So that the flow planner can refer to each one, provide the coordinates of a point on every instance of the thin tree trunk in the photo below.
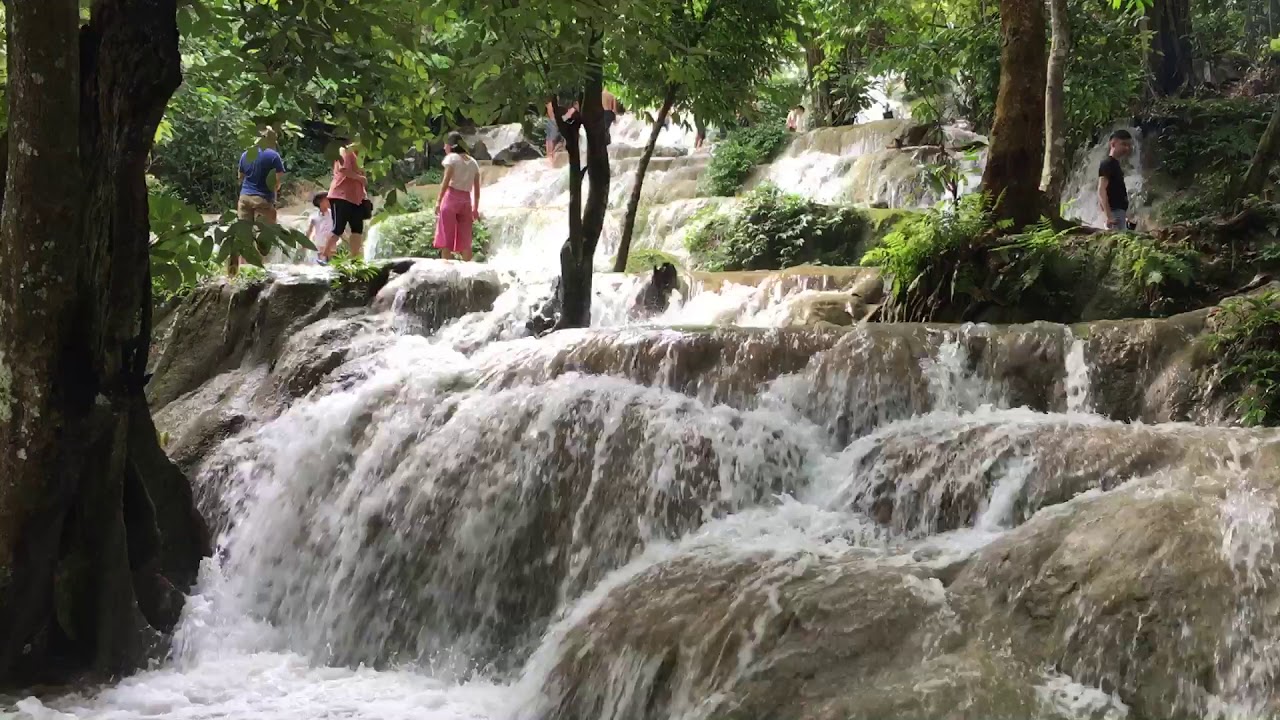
(1055, 150)
(100, 532)
(1016, 153)
(1264, 158)
(1169, 61)
(586, 221)
(633, 202)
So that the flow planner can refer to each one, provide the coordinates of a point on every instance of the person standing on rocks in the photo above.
(795, 119)
(458, 206)
(611, 110)
(1113, 196)
(320, 227)
(555, 141)
(347, 195)
(260, 180)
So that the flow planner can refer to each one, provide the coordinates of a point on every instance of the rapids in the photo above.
(439, 518)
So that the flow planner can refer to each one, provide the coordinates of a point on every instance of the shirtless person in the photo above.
(611, 110)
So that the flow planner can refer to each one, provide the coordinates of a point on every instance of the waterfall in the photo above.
(724, 509)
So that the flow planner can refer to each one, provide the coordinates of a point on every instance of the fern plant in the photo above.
(349, 270)
(1247, 341)
(918, 244)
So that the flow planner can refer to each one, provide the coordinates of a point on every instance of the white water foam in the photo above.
(304, 587)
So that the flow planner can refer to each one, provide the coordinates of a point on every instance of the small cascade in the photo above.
(1078, 388)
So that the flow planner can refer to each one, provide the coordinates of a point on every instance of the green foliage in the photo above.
(404, 203)
(1247, 340)
(360, 67)
(1106, 73)
(350, 270)
(250, 275)
(717, 55)
(186, 249)
(738, 154)
(933, 243)
(1152, 265)
(946, 56)
(777, 95)
(412, 235)
(1207, 198)
(772, 230)
(1204, 136)
(204, 136)
(1218, 28)
(1206, 144)
(433, 176)
(198, 161)
(642, 260)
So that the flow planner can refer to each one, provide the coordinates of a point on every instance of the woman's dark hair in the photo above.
(455, 141)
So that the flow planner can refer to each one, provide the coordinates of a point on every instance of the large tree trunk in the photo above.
(1169, 62)
(1015, 155)
(1264, 158)
(100, 536)
(1055, 150)
(38, 254)
(633, 202)
(814, 57)
(586, 220)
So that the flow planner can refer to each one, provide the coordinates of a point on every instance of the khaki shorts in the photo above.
(252, 207)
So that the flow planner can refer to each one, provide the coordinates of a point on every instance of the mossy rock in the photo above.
(642, 260)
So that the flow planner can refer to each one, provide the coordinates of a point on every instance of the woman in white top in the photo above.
(456, 211)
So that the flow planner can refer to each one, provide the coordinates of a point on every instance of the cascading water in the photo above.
(640, 521)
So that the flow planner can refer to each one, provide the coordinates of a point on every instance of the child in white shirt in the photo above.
(321, 225)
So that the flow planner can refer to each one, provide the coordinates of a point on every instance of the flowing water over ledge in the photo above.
(425, 514)
(637, 522)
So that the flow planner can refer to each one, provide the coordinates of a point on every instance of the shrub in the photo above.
(927, 242)
(739, 153)
(1149, 264)
(772, 230)
(350, 271)
(406, 203)
(412, 235)
(433, 176)
(1247, 340)
(202, 138)
(1201, 135)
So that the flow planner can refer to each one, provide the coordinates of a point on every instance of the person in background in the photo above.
(320, 227)
(795, 119)
(700, 133)
(260, 181)
(611, 112)
(346, 196)
(554, 140)
(1113, 196)
(458, 206)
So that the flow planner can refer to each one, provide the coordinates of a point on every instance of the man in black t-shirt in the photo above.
(1113, 196)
